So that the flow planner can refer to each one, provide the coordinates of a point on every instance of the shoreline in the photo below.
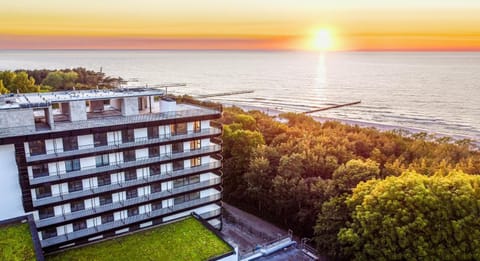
(363, 124)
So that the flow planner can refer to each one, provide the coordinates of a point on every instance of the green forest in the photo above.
(44, 80)
(359, 193)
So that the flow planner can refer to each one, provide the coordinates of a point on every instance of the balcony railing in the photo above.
(128, 221)
(118, 166)
(144, 180)
(90, 148)
(126, 203)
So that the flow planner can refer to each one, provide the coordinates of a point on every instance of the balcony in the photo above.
(144, 180)
(126, 203)
(128, 221)
(118, 166)
(90, 148)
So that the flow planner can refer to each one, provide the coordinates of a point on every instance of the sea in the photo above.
(435, 92)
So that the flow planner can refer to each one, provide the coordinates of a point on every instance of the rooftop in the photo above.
(32, 100)
(16, 242)
(187, 239)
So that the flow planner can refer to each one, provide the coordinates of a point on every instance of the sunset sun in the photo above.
(323, 40)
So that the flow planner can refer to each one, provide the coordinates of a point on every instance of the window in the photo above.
(152, 132)
(37, 147)
(177, 147)
(128, 155)
(72, 165)
(186, 197)
(156, 205)
(103, 180)
(177, 165)
(107, 218)
(105, 199)
(156, 187)
(102, 160)
(178, 129)
(195, 145)
(197, 126)
(186, 181)
(49, 233)
(43, 191)
(77, 205)
(130, 174)
(40, 170)
(132, 211)
(100, 139)
(75, 185)
(46, 212)
(79, 225)
(70, 143)
(195, 162)
(133, 193)
(128, 136)
(155, 170)
(153, 152)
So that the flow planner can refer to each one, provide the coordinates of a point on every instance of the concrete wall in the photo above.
(78, 111)
(17, 118)
(11, 202)
(167, 106)
(130, 106)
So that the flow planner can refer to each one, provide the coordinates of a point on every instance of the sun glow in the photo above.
(323, 40)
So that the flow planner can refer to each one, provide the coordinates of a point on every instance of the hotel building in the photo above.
(94, 164)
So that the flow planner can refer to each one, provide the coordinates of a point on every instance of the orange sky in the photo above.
(247, 24)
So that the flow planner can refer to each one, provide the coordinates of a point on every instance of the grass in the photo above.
(16, 243)
(187, 239)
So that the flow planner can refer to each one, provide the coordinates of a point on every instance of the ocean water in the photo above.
(438, 92)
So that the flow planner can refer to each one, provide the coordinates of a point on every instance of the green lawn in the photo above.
(16, 243)
(187, 239)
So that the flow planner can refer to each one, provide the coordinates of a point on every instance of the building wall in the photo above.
(11, 202)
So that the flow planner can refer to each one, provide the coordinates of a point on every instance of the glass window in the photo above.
(37, 147)
(107, 218)
(72, 165)
(103, 180)
(128, 135)
(130, 174)
(49, 233)
(195, 162)
(102, 160)
(177, 147)
(75, 185)
(46, 212)
(195, 145)
(186, 197)
(79, 225)
(155, 170)
(70, 143)
(156, 205)
(40, 170)
(132, 211)
(178, 129)
(105, 199)
(156, 187)
(128, 155)
(77, 205)
(132, 193)
(152, 132)
(43, 191)
(177, 165)
(153, 152)
(100, 139)
(197, 127)
(186, 181)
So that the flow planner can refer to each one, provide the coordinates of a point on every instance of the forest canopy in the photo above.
(313, 178)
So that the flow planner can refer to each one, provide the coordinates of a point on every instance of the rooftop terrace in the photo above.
(187, 239)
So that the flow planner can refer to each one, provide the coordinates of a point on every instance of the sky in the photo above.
(247, 24)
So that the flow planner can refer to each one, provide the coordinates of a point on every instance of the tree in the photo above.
(61, 80)
(3, 90)
(348, 175)
(415, 217)
(23, 83)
